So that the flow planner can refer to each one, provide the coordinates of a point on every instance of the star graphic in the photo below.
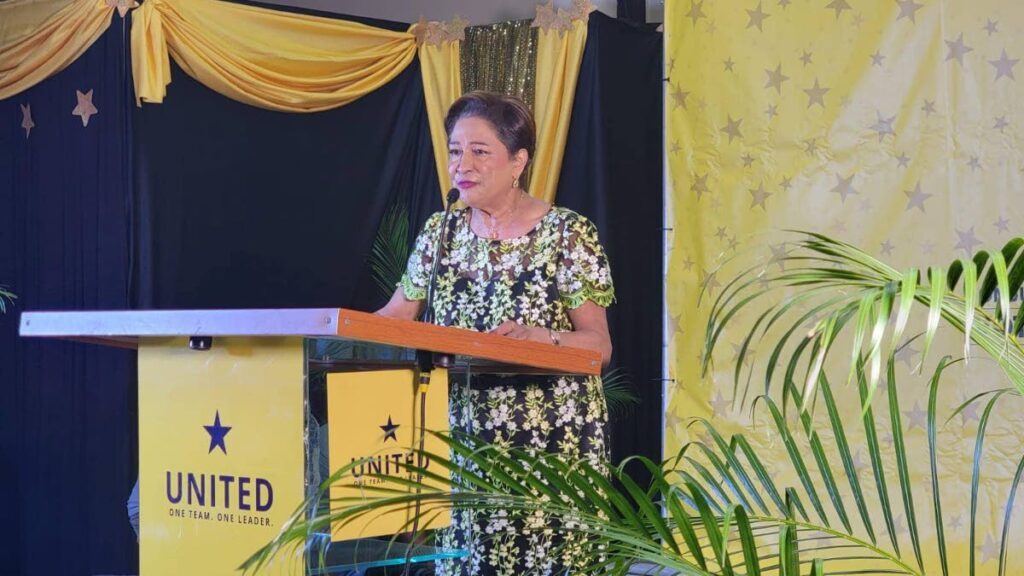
(916, 198)
(844, 186)
(710, 281)
(865, 206)
(816, 94)
(722, 233)
(759, 196)
(839, 225)
(748, 160)
(719, 405)
(858, 19)
(786, 183)
(776, 78)
(688, 264)
(957, 49)
(928, 248)
(772, 111)
(806, 57)
(26, 119)
(733, 243)
(85, 108)
(696, 11)
(1003, 224)
(974, 163)
(675, 148)
(783, 4)
(991, 26)
(876, 58)
(956, 522)
(728, 64)
(838, 6)
(778, 255)
(903, 160)
(908, 8)
(887, 248)
(929, 107)
(1004, 66)
(884, 126)
(858, 462)
(968, 241)
(671, 65)
(700, 185)
(732, 128)
(989, 550)
(969, 412)
(711, 27)
(811, 146)
(217, 434)
(679, 97)
(389, 430)
(918, 418)
(757, 17)
(702, 103)
(1001, 123)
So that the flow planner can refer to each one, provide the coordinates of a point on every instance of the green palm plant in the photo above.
(7, 298)
(716, 508)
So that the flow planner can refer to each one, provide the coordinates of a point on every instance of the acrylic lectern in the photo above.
(243, 413)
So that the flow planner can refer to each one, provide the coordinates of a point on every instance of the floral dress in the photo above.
(535, 279)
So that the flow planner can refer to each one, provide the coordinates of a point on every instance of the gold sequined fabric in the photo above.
(501, 58)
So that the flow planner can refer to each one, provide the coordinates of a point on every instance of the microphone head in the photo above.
(453, 195)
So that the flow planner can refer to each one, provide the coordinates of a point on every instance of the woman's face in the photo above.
(480, 166)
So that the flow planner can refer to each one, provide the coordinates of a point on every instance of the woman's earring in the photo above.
(515, 183)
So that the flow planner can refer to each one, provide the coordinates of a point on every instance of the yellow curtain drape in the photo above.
(266, 58)
(442, 84)
(558, 64)
(39, 38)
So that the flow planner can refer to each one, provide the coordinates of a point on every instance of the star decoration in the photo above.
(776, 78)
(974, 163)
(806, 58)
(759, 196)
(968, 241)
(989, 550)
(786, 183)
(711, 27)
(957, 49)
(929, 107)
(748, 160)
(838, 6)
(85, 108)
(390, 430)
(696, 11)
(728, 63)
(887, 248)
(778, 255)
(700, 185)
(956, 522)
(733, 243)
(1003, 224)
(771, 111)
(675, 148)
(858, 462)
(688, 264)
(992, 26)
(1004, 66)
(122, 6)
(916, 198)
(839, 226)
(783, 4)
(844, 187)
(969, 412)
(918, 418)
(721, 233)
(679, 97)
(858, 19)
(732, 128)
(710, 282)
(671, 65)
(908, 8)
(903, 160)
(217, 434)
(816, 94)
(884, 126)
(1001, 123)
(26, 119)
(811, 146)
(928, 248)
(876, 58)
(757, 17)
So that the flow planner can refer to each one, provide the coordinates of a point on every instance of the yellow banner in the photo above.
(375, 416)
(220, 450)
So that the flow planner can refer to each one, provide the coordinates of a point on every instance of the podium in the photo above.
(243, 413)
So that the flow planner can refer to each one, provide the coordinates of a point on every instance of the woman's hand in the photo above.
(513, 330)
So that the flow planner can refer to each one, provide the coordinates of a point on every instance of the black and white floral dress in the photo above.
(535, 279)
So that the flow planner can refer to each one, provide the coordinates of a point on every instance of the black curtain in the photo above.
(68, 413)
(612, 173)
(632, 10)
(239, 207)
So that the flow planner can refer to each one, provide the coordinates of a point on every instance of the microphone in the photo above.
(428, 313)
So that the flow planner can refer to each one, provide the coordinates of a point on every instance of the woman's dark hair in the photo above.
(509, 116)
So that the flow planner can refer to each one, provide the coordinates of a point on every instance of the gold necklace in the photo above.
(492, 227)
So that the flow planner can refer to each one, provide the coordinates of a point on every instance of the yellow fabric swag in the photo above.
(266, 58)
(39, 38)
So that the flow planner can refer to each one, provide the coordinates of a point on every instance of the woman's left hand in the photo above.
(513, 330)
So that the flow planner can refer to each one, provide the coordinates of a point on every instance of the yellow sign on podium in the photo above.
(221, 455)
(374, 419)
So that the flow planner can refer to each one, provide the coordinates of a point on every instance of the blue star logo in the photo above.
(389, 430)
(217, 434)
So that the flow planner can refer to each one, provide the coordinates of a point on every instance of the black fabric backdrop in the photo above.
(612, 173)
(67, 418)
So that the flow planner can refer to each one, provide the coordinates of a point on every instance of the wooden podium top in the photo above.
(124, 328)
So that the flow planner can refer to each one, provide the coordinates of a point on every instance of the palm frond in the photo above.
(618, 393)
(390, 250)
(7, 298)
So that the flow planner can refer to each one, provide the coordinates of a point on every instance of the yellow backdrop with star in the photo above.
(891, 124)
